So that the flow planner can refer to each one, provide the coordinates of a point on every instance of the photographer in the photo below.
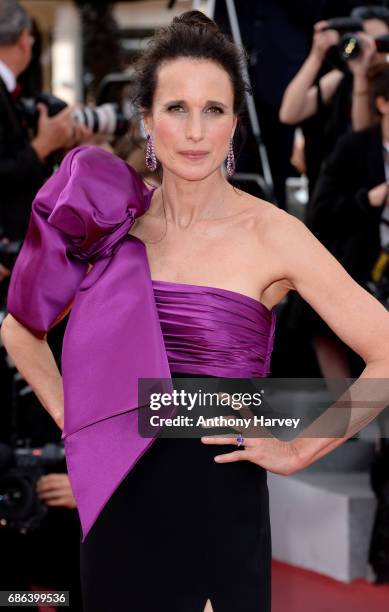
(24, 163)
(351, 198)
(337, 101)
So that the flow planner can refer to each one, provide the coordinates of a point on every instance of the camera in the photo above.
(106, 119)
(20, 469)
(350, 45)
(344, 25)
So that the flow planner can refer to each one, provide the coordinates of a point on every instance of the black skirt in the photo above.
(181, 529)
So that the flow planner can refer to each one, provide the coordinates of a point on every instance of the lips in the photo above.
(194, 155)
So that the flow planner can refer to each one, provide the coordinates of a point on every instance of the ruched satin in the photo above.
(213, 331)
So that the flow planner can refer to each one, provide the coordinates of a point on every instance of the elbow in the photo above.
(6, 329)
(11, 329)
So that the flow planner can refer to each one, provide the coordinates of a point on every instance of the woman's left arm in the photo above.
(358, 319)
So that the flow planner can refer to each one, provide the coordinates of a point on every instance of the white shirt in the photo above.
(8, 76)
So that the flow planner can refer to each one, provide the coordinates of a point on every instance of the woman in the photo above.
(189, 289)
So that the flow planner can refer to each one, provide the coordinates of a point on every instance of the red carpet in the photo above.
(298, 590)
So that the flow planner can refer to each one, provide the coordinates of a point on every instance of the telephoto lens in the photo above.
(350, 45)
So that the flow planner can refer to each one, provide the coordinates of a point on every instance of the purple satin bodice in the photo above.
(214, 331)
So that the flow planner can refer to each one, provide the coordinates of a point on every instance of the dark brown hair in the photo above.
(191, 35)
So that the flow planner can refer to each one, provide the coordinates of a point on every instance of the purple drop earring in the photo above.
(231, 159)
(151, 160)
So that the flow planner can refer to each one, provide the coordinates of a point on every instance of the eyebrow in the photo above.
(213, 102)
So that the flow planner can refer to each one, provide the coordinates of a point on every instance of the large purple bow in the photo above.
(113, 337)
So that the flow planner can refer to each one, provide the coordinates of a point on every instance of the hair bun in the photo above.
(198, 19)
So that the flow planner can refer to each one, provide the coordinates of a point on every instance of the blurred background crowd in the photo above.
(314, 141)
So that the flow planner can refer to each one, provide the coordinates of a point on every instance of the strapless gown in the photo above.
(181, 529)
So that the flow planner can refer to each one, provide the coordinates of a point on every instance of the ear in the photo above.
(234, 125)
(23, 41)
(382, 105)
(147, 121)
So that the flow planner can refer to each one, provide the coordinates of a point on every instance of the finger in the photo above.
(50, 477)
(230, 457)
(65, 112)
(47, 490)
(46, 485)
(42, 108)
(219, 440)
(365, 37)
(320, 25)
(54, 492)
(47, 495)
(60, 501)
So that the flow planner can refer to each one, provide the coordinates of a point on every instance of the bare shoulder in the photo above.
(284, 237)
(278, 227)
(273, 227)
(260, 208)
(267, 228)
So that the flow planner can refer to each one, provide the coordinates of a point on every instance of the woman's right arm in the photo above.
(35, 361)
(300, 97)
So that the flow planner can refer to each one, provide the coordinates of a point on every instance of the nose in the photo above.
(194, 126)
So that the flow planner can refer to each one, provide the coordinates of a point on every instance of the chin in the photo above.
(192, 173)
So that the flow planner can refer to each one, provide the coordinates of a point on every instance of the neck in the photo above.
(188, 202)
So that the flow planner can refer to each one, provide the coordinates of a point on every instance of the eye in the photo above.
(216, 110)
(174, 107)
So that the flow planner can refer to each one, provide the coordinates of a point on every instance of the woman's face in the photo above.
(192, 118)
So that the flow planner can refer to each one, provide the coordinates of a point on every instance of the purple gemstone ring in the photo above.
(240, 440)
